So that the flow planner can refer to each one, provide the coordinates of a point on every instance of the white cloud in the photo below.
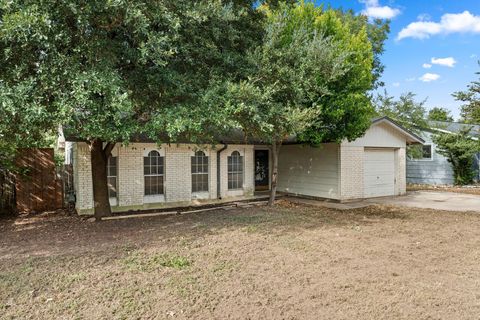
(464, 22)
(446, 62)
(424, 17)
(373, 9)
(427, 65)
(429, 77)
(396, 84)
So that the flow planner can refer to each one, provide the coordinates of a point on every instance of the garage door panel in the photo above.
(379, 172)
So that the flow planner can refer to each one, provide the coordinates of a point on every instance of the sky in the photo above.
(433, 47)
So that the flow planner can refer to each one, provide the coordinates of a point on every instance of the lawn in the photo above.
(287, 262)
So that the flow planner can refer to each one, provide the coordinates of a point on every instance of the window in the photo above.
(422, 152)
(235, 171)
(199, 172)
(153, 171)
(112, 177)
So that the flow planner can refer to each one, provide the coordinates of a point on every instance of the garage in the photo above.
(379, 172)
(370, 166)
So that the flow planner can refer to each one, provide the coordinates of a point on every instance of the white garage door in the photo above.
(379, 173)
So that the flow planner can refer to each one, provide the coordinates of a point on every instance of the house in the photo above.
(431, 167)
(144, 175)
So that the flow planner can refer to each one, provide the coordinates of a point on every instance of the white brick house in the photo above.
(147, 176)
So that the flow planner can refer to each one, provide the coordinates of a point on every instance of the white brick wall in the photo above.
(351, 172)
(401, 171)
(82, 176)
(177, 175)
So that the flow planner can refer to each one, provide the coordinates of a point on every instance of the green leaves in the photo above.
(459, 149)
(471, 98)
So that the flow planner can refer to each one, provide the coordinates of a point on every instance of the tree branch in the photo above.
(107, 150)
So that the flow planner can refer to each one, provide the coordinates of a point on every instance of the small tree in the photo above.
(471, 98)
(459, 149)
(440, 114)
(307, 57)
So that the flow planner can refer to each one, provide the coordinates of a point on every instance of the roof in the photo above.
(411, 137)
(455, 127)
(238, 137)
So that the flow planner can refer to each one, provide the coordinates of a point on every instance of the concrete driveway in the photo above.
(433, 200)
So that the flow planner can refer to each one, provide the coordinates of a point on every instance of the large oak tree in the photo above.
(109, 70)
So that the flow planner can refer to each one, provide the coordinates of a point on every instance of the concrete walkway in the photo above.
(449, 201)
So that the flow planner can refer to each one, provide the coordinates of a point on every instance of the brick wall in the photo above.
(400, 174)
(177, 175)
(351, 172)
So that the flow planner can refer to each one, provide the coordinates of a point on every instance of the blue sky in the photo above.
(433, 48)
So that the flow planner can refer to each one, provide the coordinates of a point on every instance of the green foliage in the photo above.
(440, 114)
(310, 77)
(459, 149)
(408, 112)
(345, 113)
(471, 99)
(110, 69)
(291, 72)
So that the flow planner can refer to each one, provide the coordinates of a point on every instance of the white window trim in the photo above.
(201, 194)
(114, 200)
(152, 198)
(242, 187)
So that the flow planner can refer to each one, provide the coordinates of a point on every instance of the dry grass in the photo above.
(289, 262)
(474, 189)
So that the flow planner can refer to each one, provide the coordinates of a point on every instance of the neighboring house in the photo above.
(433, 168)
(144, 175)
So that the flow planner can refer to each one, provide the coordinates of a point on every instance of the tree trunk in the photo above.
(99, 157)
(273, 190)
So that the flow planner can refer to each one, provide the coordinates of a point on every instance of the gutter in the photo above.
(218, 169)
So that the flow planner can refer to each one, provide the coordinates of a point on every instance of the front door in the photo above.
(261, 170)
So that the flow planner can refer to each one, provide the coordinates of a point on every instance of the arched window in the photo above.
(235, 171)
(112, 177)
(153, 169)
(199, 172)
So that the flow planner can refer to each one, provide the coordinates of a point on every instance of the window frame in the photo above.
(238, 173)
(109, 166)
(424, 158)
(160, 164)
(205, 170)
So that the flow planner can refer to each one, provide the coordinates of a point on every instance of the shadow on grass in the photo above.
(66, 234)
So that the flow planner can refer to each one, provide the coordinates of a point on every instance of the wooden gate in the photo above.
(38, 188)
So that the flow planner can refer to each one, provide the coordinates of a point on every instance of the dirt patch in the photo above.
(475, 189)
(289, 262)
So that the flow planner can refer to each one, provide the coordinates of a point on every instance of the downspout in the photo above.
(218, 169)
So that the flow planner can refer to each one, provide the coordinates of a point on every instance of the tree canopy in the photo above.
(108, 70)
(440, 114)
(406, 110)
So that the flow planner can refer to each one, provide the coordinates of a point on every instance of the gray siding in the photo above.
(435, 171)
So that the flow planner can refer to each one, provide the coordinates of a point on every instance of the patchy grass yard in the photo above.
(290, 262)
